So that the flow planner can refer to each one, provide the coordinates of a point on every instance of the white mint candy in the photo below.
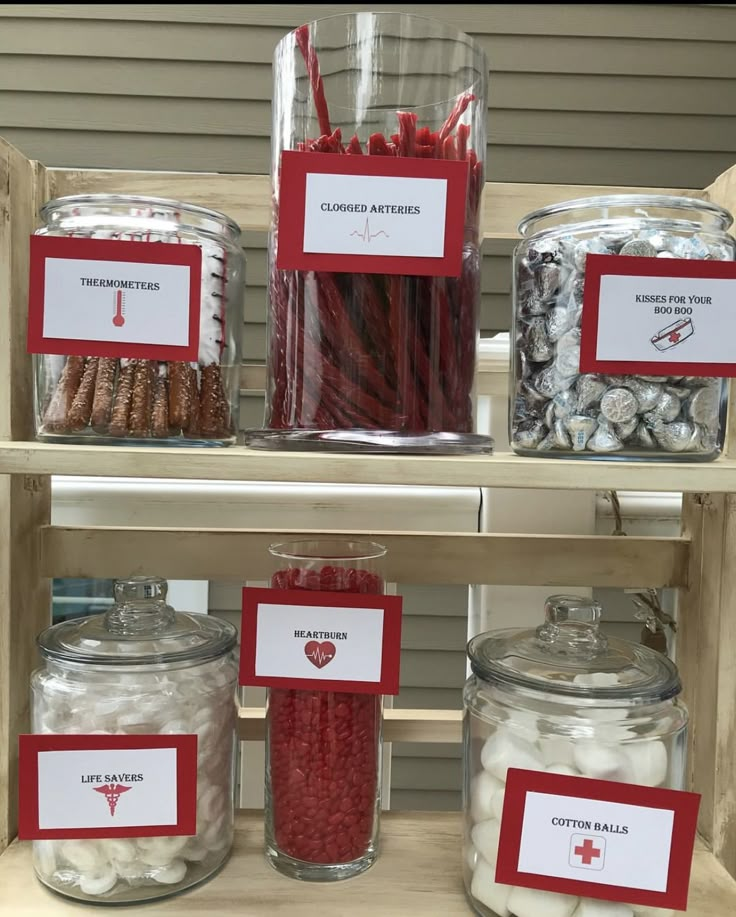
(172, 874)
(84, 855)
(119, 849)
(530, 902)
(483, 787)
(485, 889)
(648, 761)
(46, 857)
(497, 802)
(591, 907)
(503, 750)
(557, 751)
(98, 883)
(485, 837)
(602, 762)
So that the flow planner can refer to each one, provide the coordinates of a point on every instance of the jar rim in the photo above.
(343, 550)
(168, 203)
(723, 218)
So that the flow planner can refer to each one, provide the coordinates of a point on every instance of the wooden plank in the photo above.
(419, 871)
(399, 725)
(238, 463)
(413, 557)
(246, 198)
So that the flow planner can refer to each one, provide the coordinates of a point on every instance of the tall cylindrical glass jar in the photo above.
(141, 669)
(557, 411)
(563, 699)
(93, 399)
(376, 360)
(323, 748)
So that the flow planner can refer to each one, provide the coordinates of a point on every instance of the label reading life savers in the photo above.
(329, 641)
(107, 786)
(114, 298)
(657, 316)
(371, 214)
(596, 838)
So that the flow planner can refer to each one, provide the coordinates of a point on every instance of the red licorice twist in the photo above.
(324, 750)
(378, 351)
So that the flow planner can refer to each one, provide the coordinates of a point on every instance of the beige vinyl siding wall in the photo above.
(595, 94)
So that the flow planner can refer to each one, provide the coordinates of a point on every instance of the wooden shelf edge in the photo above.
(418, 872)
(238, 463)
(399, 725)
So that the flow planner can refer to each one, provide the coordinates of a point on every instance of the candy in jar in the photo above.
(563, 699)
(323, 748)
(141, 669)
(555, 410)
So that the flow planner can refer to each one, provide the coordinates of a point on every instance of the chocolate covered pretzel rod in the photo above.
(213, 407)
(180, 395)
(192, 430)
(55, 417)
(81, 408)
(160, 412)
(121, 404)
(104, 388)
(141, 403)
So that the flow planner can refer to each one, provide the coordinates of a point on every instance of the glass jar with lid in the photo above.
(91, 398)
(557, 411)
(141, 669)
(565, 699)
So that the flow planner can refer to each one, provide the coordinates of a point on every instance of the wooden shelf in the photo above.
(238, 463)
(418, 872)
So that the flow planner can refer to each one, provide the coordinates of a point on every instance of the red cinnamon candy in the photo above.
(324, 750)
(378, 352)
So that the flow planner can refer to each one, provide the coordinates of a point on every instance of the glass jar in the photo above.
(555, 410)
(93, 399)
(141, 669)
(566, 699)
(376, 361)
(323, 748)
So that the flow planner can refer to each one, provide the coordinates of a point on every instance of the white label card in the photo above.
(375, 215)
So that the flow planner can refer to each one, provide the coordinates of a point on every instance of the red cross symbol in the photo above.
(674, 337)
(587, 852)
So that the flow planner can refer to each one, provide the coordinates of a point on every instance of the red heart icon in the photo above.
(319, 654)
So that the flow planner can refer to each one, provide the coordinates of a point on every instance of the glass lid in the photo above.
(569, 655)
(139, 629)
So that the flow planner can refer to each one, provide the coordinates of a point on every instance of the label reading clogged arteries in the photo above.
(658, 316)
(87, 786)
(597, 838)
(114, 298)
(371, 214)
(324, 641)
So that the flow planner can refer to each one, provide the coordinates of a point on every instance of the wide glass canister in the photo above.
(142, 669)
(88, 398)
(323, 748)
(564, 699)
(557, 411)
(376, 361)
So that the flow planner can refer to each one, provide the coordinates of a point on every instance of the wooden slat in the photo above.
(246, 198)
(413, 557)
(418, 872)
(399, 725)
(237, 463)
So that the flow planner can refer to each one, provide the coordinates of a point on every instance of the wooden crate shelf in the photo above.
(418, 872)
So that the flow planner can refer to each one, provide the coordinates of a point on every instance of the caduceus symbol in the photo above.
(112, 792)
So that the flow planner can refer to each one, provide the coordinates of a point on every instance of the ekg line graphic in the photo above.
(366, 235)
(319, 656)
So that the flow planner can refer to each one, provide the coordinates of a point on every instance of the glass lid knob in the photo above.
(572, 627)
(140, 607)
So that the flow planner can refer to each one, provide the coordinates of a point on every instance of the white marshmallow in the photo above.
(470, 856)
(171, 874)
(499, 797)
(485, 837)
(557, 751)
(563, 769)
(482, 789)
(503, 750)
(530, 902)
(592, 907)
(596, 679)
(648, 761)
(602, 762)
(640, 910)
(485, 889)
(98, 883)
